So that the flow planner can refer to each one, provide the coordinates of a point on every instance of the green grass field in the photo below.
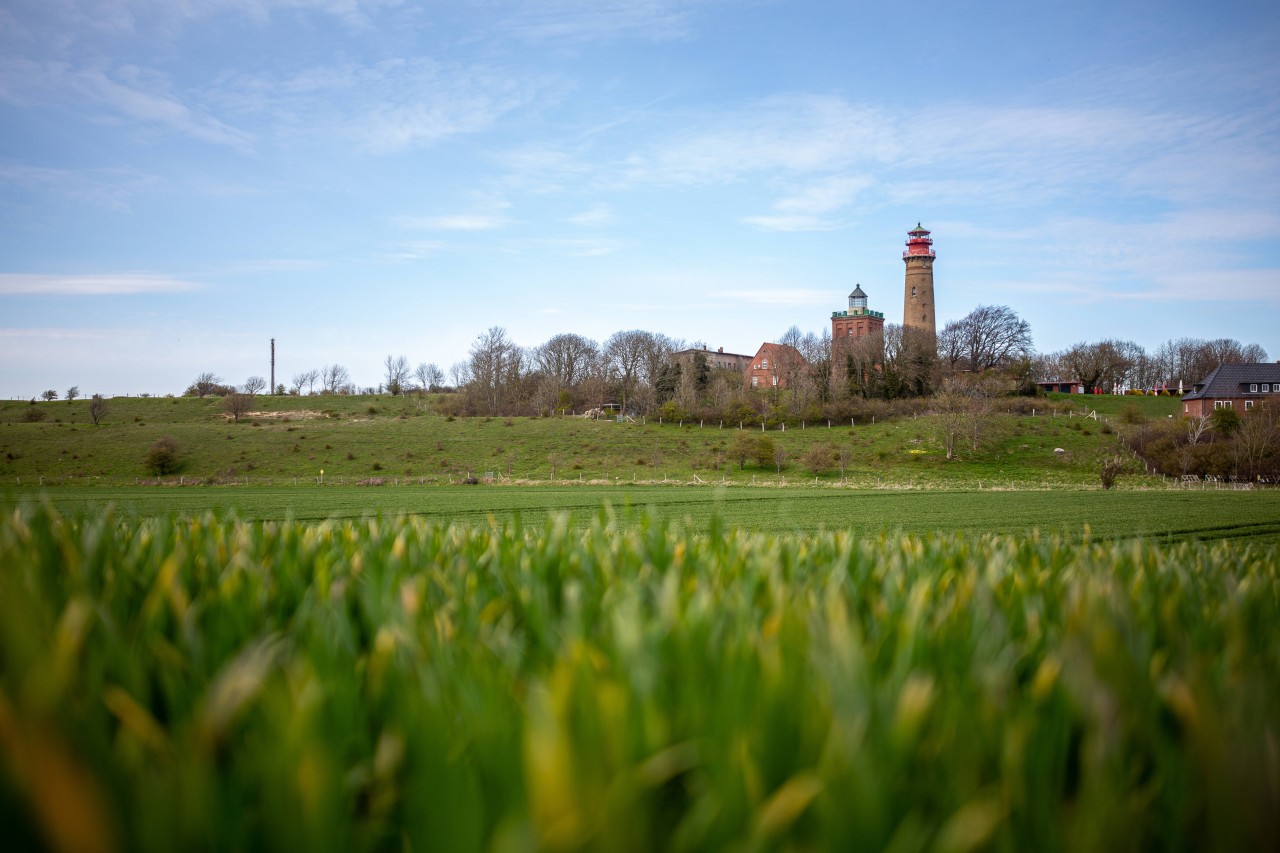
(357, 438)
(401, 684)
(1159, 515)
(986, 654)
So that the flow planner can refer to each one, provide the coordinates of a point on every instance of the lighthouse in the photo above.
(917, 304)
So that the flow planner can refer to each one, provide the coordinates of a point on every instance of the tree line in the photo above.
(811, 377)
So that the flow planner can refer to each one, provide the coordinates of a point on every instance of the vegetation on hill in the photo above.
(358, 438)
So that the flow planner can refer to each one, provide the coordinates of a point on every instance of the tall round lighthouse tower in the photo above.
(917, 305)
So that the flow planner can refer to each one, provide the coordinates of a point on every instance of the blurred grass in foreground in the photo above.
(397, 683)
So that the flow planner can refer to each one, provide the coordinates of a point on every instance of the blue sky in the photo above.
(183, 180)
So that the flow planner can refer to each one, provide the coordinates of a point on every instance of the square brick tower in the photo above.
(917, 305)
(857, 321)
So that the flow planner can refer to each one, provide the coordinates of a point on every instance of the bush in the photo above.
(1112, 467)
(1225, 422)
(820, 459)
(33, 414)
(162, 458)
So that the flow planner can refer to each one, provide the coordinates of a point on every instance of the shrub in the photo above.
(98, 408)
(1112, 467)
(162, 458)
(33, 414)
(1225, 422)
(819, 459)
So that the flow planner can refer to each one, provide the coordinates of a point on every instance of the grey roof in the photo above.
(857, 293)
(1226, 379)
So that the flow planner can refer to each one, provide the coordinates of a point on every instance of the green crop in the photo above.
(629, 685)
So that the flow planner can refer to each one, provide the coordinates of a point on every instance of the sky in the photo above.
(182, 181)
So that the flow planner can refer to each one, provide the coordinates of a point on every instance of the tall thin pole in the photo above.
(272, 389)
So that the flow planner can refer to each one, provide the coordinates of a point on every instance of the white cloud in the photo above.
(454, 222)
(383, 107)
(412, 250)
(785, 134)
(26, 284)
(124, 94)
(596, 216)
(113, 189)
(594, 20)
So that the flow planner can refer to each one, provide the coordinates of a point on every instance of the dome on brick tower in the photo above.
(857, 299)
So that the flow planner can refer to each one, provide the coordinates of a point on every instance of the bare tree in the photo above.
(1096, 365)
(460, 373)
(1196, 428)
(844, 455)
(430, 377)
(566, 358)
(97, 409)
(206, 383)
(1256, 438)
(396, 371)
(625, 354)
(334, 378)
(73, 392)
(254, 385)
(988, 336)
(237, 404)
(1189, 360)
(305, 379)
(951, 349)
(951, 408)
(494, 368)
(50, 395)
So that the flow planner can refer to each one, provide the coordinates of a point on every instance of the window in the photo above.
(755, 381)
(1266, 387)
(1253, 388)
(913, 291)
(1222, 404)
(775, 380)
(764, 363)
(1186, 408)
(1248, 404)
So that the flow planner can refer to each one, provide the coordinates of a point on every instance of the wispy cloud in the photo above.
(113, 189)
(121, 284)
(793, 135)
(595, 20)
(123, 94)
(596, 216)
(413, 250)
(75, 19)
(383, 107)
(454, 222)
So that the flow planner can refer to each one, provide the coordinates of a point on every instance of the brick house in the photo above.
(1059, 386)
(773, 365)
(716, 358)
(1234, 386)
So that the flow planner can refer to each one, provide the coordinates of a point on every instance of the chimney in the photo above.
(720, 350)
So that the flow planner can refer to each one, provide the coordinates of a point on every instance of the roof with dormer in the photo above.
(1231, 380)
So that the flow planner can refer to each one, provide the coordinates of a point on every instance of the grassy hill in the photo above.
(357, 438)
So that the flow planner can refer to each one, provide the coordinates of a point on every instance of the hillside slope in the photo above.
(356, 438)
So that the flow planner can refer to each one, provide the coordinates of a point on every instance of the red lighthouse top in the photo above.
(918, 245)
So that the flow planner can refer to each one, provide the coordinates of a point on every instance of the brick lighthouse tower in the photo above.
(917, 305)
